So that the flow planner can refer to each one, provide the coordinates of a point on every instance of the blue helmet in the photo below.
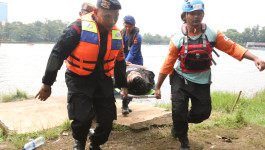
(192, 5)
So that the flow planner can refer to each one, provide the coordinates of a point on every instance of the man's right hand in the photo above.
(44, 92)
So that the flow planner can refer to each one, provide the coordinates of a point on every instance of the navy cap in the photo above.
(129, 20)
(109, 4)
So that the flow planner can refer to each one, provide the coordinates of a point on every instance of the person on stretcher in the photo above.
(140, 81)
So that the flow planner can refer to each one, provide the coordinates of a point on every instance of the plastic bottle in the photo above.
(33, 144)
(91, 131)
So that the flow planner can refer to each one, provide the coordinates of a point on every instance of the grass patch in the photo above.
(228, 121)
(66, 125)
(253, 110)
(118, 127)
(155, 135)
(167, 106)
(223, 101)
(250, 110)
(2, 139)
(260, 96)
(16, 96)
(19, 140)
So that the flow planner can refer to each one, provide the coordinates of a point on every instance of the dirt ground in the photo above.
(159, 138)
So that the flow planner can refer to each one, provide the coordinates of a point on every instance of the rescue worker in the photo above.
(132, 41)
(86, 8)
(191, 78)
(93, 51)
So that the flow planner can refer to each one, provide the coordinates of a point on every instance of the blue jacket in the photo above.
(133, 53)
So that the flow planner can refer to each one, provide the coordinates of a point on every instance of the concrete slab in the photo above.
(142, 115)
(34, 115)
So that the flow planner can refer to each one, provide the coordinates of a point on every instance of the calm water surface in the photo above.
(22, 67)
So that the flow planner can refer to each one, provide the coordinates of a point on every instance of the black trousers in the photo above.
(182, 91)
(82, 110)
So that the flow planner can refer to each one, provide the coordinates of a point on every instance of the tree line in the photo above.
(254, 34)
(50, 30)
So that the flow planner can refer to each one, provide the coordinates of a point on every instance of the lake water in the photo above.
(22, 67)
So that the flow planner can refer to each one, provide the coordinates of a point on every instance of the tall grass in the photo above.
(252, 109)
(15, 96)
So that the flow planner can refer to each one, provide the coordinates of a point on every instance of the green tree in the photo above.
(33, 32)
(234, 35)
(53, 29)
(246, 36)
(261, 37)
(155, 39)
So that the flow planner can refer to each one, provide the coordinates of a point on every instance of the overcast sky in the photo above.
(153, 16)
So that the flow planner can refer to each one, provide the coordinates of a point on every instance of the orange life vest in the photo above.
(83, 59)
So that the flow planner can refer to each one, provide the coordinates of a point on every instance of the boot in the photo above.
(125, 108)
(129, 109)
(79, 145)
(184, 141)
(94, 147)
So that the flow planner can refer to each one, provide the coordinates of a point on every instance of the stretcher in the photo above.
(150, 94)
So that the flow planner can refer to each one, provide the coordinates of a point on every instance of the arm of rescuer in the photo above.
(61, 50)
(167, 68)
(235, 50)
(120, 73)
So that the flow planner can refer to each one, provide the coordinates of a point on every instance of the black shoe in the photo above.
(184, 141)
(125, 108)
(79, 145)
(94, 147)
(129, 109)
(125, 111)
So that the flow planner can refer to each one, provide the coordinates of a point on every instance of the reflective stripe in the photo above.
(116, 35)
(186, 44)
(204, 40)
(89, 26)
